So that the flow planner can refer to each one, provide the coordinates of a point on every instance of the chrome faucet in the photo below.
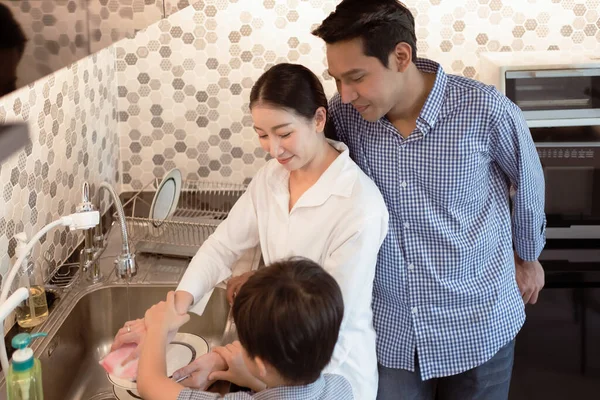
(95, 244)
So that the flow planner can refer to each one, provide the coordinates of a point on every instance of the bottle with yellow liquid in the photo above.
(34, 310)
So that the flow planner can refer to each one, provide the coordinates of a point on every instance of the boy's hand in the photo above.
(237, 372)
(164, 316)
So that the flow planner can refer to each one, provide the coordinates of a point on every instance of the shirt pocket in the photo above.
(454, 173)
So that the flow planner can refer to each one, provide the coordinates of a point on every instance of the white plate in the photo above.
(166, 197)
(184, 349)
(124, 394)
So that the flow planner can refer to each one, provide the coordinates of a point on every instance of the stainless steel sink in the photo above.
(74, 346)
(87, 315)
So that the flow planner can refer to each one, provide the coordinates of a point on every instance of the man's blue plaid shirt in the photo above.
(445, 282)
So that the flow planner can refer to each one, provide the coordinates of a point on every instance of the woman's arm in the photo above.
(212, 263)
(353, 258)
(183, 301)
(351, 261)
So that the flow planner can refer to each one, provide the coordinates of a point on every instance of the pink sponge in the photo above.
(113, 360)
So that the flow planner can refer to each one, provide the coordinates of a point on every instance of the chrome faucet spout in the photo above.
(125, 266)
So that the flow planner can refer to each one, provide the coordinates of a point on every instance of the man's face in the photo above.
(8, 70)
(363, 81)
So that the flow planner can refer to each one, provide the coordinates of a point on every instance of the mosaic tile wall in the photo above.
(61, 32)
(74, 138)
(113, 20)
(57, 35)
(184, 82)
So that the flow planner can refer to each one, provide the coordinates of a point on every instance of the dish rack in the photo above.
(202, 206)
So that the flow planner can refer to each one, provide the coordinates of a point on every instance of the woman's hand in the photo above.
(131, 332)
(164, 316)
(235, 284)
(237, 371)
(199, 370)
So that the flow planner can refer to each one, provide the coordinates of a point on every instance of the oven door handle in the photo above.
(553, 73)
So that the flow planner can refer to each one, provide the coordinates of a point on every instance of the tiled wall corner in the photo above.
(184, 82)
(74, 138)
(60, 32)
(113, 20)
(56, 34)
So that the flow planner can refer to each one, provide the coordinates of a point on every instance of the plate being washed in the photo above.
(166, 197)
(184, 349)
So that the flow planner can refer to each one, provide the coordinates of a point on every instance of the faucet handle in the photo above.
(86, 204)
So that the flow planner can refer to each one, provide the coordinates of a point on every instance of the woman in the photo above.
(310, 200)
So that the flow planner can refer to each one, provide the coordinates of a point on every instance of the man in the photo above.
(457, 267)
(12, 45)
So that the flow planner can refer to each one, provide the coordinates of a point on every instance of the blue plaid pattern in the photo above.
(327, 387)
(445, 282)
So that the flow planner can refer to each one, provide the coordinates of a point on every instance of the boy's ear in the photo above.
(261, 365)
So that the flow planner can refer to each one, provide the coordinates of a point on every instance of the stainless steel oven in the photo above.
(552, 88)
(559, 94)
(570, 157)
(557, 352)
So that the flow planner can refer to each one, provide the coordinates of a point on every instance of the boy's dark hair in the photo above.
(11, 34)
(290, 86)
(380, 24)
(289, 315)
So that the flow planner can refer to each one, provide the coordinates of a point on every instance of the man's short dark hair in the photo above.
(380, 24)
(11, 34)
(289, 315)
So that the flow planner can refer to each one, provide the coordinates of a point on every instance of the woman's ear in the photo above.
(320, 119)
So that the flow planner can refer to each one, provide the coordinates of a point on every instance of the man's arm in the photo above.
(512, 148)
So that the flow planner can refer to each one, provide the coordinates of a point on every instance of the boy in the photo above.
(288, 318)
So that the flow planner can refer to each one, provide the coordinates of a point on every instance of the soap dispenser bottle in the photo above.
(34, 310)
(24, 378)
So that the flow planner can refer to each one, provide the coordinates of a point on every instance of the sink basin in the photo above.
(70, 354)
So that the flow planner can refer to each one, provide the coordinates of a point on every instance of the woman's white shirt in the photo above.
(340, 223)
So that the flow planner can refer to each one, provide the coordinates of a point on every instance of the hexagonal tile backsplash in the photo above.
(179, 91)
(61, 32)
(184, 82)
(74, 138)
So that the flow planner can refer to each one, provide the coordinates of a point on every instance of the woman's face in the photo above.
(288, 137)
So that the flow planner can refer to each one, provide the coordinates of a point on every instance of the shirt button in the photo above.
(406, 225)
(414, 310)
(403, 184)
(411, 267)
